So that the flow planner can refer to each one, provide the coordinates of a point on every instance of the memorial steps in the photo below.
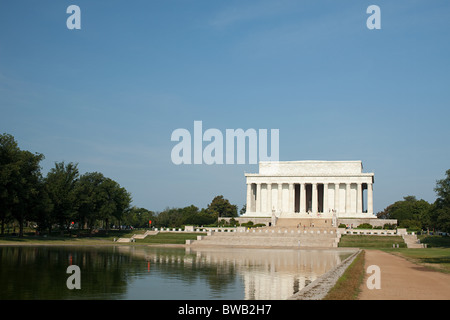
(412, 241)
(304, 222)
(137, 236)
(271, 237)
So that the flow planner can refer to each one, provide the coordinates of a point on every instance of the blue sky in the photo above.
(109, 96)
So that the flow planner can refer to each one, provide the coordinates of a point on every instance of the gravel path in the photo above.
(404, 280)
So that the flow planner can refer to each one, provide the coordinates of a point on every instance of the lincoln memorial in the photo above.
(310, 189)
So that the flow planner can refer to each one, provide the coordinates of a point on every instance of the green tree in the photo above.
(410, 212)
(28, 188)
(20, 178)
(193, 216)
(100, 198)
(9, 155)
(60, 187)
(170, 217)
(89, 199)
(442, 189)
(220, 207)
(441, 209)
(243, 210)
(139, 217)
(43, 210)
(116, 200)
(190, 215)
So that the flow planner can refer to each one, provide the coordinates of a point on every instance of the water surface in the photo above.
(151, 273)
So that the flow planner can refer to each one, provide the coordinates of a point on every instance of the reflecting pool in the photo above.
(156, 273)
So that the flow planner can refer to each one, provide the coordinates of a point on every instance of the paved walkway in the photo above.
(404, 280)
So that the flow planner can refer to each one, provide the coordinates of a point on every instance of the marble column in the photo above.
(258, 197)
(291, 197)
(249, 197)
(336, 197)
(369, 198)
(269, 198)
(302, 198)
(347, 197)
(359, 198)
(280, 197)
(325, 198)
(314, 198)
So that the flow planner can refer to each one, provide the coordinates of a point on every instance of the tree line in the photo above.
(415, 214)
(60, 199)
(64, 199)
(190, 215)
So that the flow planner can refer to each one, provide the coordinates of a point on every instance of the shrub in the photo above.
(247, 224)
(389, 226)
(412, 225)
(364, 226)
(259, 225)
(250, 224)
(233, 222)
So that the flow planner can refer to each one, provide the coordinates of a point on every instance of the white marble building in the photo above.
(309, 189)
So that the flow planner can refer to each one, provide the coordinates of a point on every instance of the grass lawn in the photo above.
(170, 238)
(371, 241)
(56, 239)
(53, 241)
(434, 258)
(435, 241)
(347, 286)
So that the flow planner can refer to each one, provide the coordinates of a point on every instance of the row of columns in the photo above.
(314, 197)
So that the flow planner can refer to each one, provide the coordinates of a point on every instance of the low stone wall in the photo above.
(255, 220)
(377, 232)
(318, 289)
(354, 222)
(351, 222)
(198, 229)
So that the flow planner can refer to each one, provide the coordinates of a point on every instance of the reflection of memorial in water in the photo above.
(266, 274)
(276, 274)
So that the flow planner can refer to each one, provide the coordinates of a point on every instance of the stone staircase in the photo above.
(412, 241)
(304, 222)
(272, 237)
(137, 236)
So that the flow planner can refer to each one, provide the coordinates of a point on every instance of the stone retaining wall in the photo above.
(318, 289)
(354, 222)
